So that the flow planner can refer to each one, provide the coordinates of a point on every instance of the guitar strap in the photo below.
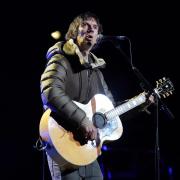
(93, 105)
(100, 82)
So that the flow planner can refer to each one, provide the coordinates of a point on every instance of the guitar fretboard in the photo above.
(121, 109)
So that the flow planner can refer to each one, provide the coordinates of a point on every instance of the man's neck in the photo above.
(85, 56)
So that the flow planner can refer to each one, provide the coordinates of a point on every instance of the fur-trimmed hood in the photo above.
(70, 48)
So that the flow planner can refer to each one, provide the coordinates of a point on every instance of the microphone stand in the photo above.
(147, 87)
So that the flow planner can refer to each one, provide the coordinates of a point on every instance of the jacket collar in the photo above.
(71, 48)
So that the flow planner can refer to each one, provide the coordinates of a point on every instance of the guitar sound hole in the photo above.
(99, 120)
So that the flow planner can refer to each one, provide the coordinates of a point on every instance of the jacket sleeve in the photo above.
(106, 89)
(53, 85)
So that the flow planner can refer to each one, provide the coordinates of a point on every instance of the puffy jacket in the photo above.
(65, 80)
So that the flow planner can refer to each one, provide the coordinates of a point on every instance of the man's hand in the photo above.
(150, 100)
(88, 130)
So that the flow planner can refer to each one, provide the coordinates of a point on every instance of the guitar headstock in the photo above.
(164, 87)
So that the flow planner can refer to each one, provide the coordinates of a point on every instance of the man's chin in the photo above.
(87, 44)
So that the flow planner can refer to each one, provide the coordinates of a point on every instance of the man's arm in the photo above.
(53, 84)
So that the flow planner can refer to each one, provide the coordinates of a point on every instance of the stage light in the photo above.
(56, 35)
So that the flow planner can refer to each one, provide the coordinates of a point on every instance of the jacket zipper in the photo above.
(80, 85)
(88, 78)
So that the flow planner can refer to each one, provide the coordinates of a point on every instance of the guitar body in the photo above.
(66, 151)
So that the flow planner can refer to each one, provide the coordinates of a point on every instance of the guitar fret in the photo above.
(119, 110)
(129, 106)
(132, 103)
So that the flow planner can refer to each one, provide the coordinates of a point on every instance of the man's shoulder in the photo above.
(56, 49)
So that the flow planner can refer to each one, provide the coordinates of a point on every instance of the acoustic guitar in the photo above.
(64, 149)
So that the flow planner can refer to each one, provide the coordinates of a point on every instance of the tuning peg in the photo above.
(164, 96)
(170, 92)
(160, 80)
(164, 78)
(157, 84)
(167, 94)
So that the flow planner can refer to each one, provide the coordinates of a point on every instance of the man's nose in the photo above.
(90, 29)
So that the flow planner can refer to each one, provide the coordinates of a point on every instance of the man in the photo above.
(73, 74)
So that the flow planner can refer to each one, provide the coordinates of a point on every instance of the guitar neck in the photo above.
(125, 107)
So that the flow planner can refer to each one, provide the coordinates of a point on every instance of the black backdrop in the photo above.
(25, 38)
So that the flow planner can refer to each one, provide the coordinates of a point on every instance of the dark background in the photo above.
(25, 37)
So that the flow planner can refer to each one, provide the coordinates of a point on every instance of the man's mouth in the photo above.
(89, 37)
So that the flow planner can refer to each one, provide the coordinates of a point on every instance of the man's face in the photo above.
(87, 33)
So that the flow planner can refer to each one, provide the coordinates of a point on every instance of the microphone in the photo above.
(115, 40)
(110, 38)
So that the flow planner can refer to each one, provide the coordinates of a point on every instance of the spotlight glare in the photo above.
(56, 34)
